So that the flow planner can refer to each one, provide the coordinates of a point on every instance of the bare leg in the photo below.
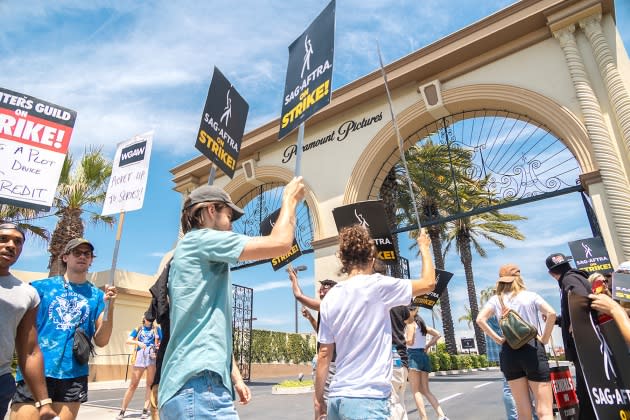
(414, 381)
(149, 382)
(26, 411)
(520, 392)
(136, 374)
(544, 399)
(424, 389)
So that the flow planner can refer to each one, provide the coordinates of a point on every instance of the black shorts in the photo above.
(60, 390)
(529, 361)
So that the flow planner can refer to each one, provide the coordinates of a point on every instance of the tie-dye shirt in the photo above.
(63, 307)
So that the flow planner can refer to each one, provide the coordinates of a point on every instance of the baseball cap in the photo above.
(508, 273)
(12, 226)
(327, 282)
(555, 260)
(207, 193)
(73, 243)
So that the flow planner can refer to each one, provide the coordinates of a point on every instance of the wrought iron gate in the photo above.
(242, 305)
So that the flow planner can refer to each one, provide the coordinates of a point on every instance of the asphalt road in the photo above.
(473, 395)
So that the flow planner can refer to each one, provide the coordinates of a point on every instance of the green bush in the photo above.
(476, 361)
(445, 361)
(483, 361)
(435, 361)
(455, 362)
(273, 346)
(465, 361)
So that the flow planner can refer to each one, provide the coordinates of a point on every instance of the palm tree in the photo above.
(466, 317)
(486, 294)
(430, 169)
(22, 217)
(79, 188)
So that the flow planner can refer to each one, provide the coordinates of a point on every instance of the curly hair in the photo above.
(356, 248)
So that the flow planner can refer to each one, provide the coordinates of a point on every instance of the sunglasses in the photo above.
(77, 253)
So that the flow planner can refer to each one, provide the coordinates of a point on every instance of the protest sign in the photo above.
(604, 359)
(591, 256)
(127, 184)
(34, 140)
(222, 124)
(280, 261)
(441, 281)
(370, 214)
(620, 287)
(308, 84)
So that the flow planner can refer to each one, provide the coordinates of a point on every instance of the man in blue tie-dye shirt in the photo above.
(67, 303)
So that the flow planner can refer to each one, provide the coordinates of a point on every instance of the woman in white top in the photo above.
(420, 364)
(526, 367)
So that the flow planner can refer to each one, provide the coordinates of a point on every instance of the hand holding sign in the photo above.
(423, 240)
(294, 192)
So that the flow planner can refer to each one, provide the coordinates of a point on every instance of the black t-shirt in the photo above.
(398, 315)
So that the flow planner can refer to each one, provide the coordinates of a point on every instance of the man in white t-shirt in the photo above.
(19, 303)
(355, 318)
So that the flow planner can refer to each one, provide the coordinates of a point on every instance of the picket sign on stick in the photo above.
(298, 152)
(400, 141)
(213, 173)
(112, 271)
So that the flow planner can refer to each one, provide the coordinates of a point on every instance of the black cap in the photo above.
(555, 260)
(327, 282)
(209, 193)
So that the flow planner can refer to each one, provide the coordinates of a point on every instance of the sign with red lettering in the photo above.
(34, 139)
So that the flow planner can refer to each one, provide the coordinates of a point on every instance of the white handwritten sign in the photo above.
(34, 139)
(128, 182)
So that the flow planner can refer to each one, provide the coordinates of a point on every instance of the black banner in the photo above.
(468, 343)
(591, 256)
(604, 359)
(265, 229)
(428, 300)
(308, 85)
(222, 124)
(370, 214)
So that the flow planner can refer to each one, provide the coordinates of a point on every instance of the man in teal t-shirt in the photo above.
(198, 371)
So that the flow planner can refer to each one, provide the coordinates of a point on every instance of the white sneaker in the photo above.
(120, 415)
(145, 414)
(443, 418)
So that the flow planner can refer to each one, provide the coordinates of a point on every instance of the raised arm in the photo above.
(280, 240)
(307, 301)
(426, 283)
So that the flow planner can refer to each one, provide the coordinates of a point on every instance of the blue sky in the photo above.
(129, 67)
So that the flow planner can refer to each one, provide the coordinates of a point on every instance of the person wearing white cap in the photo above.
(68, 303)
(576, 281)
(19, 304)
(198, 370)
(526, 367)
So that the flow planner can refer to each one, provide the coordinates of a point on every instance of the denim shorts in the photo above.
(529, 361)
(348, 408)
(419, 360)
(202, 397)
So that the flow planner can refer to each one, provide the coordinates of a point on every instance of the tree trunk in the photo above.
(68, 227)
(445, 304)
(466, 259)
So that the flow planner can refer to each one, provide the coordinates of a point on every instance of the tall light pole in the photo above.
(297, 269)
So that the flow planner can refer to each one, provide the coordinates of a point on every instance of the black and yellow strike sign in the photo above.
(590, 255)
(222, 124)
(371, 214)
(428, 300)
(281, 260)
(308, 85)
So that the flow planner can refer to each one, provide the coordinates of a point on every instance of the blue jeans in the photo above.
(508, 401)
(347, 408)
(202, 397)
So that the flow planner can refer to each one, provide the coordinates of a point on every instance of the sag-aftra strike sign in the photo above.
(34, 139)
(222, 124)
(308, 86)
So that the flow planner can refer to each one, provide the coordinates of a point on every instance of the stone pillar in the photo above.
(613, 177)
(617, 92)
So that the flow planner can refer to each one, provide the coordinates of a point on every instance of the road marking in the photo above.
(111, 399)
(484, 384)
(450, 397)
